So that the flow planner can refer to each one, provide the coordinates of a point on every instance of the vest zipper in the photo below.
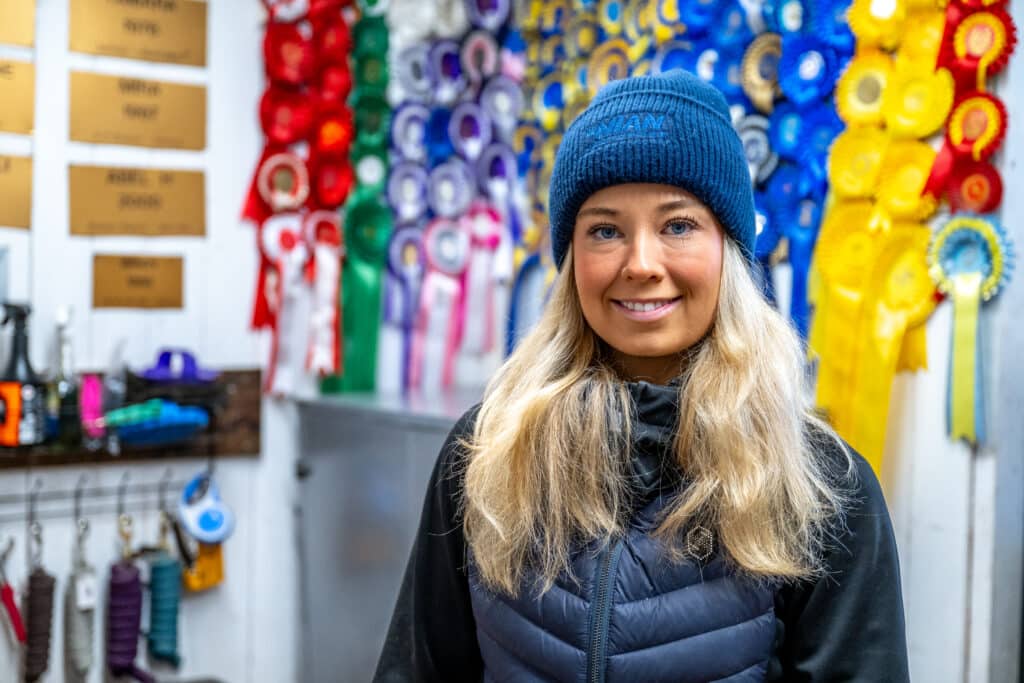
(602, 613)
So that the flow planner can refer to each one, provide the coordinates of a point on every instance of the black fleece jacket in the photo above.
(847, 626)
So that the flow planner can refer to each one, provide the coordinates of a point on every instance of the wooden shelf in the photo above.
(233, 431)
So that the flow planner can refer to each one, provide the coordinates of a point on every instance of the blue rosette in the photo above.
(807, 70)
(767, 241)
(786, 130)
(435, 137)
(675, 54)
(797, 219)
(790, 17)
(732, 32)
(829, 23)
(821, 125)
(698, 15)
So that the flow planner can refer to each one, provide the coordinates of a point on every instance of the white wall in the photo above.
(246, 629)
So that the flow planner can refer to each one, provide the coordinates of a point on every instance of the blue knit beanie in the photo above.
(671, 129)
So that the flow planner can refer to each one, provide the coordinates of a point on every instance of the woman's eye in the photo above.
(604, 232)
(678, 227)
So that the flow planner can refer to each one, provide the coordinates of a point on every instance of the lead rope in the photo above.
(124, 611)
(38, 611)
(79, 608)
(164, 596)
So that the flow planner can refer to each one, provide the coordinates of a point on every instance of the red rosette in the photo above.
(975, 186)
(334, 131)
(286, 11)
(323, 227)
(976, 125)
(332, 179)
(288, 55)
(334, 84)
(255, 209)
(981, 45)
(324, 10)
(978, 4)
(286, 116)
(333, 41)
(283, 181)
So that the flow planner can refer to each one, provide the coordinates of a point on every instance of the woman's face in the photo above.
(647, 261)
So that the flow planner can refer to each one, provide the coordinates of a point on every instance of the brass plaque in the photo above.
(137, 111)
(124, 281)
(17, 96)
(17, 22)
(154, 30)
(16, 192)
(136, 201)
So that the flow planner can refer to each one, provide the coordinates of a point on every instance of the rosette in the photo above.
(469, 130)
(373, 118)
(413, 72)
(479, 56)
(407, 192)
(970, 260)
(905, 168)
(762, 159)
(609, 62)
(860, 88)
(877, 24)
(761, 71)
(915, 103)
(288, 55)
(855, 161)
(446, 67)
(450, 188)
(976, 126)
(975, 187)
(408, 130)
(982, 44)
(283, 181)
(285, 116)
(807, 69)
(489, 15)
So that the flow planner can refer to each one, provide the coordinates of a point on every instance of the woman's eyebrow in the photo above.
(683, 203)
(597, 211)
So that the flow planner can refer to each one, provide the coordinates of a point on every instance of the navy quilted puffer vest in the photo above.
(632, 615)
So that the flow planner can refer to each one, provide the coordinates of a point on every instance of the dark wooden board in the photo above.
(234, 431)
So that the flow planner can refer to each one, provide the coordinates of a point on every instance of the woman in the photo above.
(644, 493)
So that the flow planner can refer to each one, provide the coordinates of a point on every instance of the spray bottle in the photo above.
(20, 387)
(62, 410)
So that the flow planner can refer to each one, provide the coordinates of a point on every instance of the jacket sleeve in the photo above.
(432, 636)
(848, 625)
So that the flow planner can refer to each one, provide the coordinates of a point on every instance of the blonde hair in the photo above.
(546, 467)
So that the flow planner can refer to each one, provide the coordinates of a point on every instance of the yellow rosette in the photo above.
(860, 88)
(877, 24)
(969, 260)
(900, 296)
(922, 39)
(917, 102)
(843, 257)
(855, 161)
(906, 168)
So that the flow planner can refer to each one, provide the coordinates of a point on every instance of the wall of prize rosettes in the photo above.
(430, 199)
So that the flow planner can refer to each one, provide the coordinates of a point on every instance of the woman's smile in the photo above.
(646, 310)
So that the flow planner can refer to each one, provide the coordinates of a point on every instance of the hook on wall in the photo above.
(34, 527)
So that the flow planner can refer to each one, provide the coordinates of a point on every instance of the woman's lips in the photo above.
(665, 307)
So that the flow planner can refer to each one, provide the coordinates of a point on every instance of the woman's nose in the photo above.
(643, 261)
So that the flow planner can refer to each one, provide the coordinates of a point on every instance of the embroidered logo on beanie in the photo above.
(643, 125)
